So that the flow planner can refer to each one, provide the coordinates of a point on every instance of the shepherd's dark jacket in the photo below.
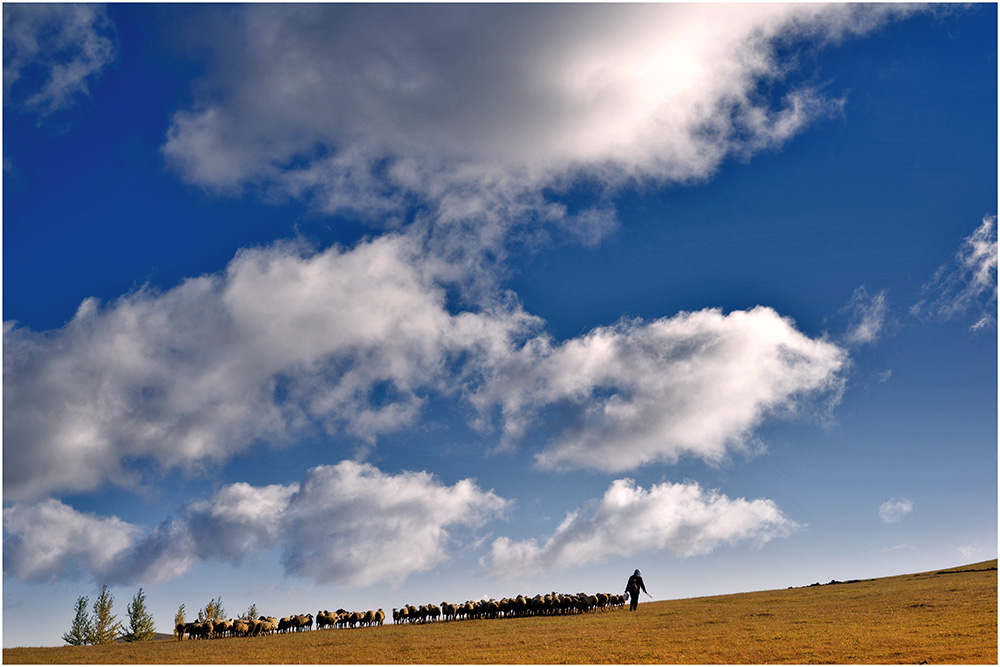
(634, 584)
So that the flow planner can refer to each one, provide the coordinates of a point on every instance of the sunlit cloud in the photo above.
(349, 524)
(286, 341)
(50, 540)
(679, 519)
(696, 384)
(515, 100)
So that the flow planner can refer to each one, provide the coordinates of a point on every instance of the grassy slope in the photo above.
(946, 617)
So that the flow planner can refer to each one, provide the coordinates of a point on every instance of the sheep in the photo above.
(240, 628)
(379, 617)
(302, 621)
(326, 619)
(285, 624)
(449, 611)
(198, 630)
(221, 627)
(368, 618)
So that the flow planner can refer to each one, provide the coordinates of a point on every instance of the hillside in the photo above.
(946, 616)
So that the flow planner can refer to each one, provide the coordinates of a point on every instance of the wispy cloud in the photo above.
(679, 519)
(694, 384)
(53, 52)
(349, 524)
(892, 511)
(973, 550)
(968, 283)
(868, 314)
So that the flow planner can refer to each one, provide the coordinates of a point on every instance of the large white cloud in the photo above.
(473, 109)
(694, 384)
(53, 52)
(286, 339)
(679, 519)
(49, 539)
(350, 524)
(355, 525)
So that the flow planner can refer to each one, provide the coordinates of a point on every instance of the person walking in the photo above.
(632, 588)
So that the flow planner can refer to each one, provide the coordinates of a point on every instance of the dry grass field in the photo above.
(934, 617)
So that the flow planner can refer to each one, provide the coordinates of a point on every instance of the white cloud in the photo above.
(695, 384)
(70, 44)
(969, 283)
(349, 524)
(354, 525)
(679, 519)
(49, 540)
(892, 511)
(354, 342)
(474, 109)
(286, 339)
(868, 315)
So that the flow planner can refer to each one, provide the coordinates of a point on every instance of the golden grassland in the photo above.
(940, 617)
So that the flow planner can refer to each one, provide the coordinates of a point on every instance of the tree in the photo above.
(251, 613)
(106, 628)
(82, 631)
(179, 617)
(213, 611)
(140, 621)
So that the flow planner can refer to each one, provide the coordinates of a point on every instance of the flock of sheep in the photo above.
(540, 605)
(243, 627)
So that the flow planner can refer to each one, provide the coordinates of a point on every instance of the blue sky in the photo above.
(333, 306)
